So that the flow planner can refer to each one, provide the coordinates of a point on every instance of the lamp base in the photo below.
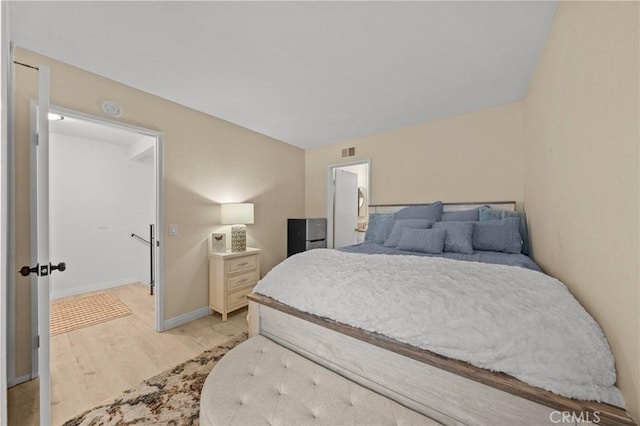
(238, 238)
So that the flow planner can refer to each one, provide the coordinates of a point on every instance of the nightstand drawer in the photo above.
(242, 263)
(242, 279)
(239, 296)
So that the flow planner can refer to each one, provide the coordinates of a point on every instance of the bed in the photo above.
(354, 311)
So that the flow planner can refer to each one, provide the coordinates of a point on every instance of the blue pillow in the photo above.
(498, 235)
(459, 237)
(429, 211)
(423, 240)
(472, 215)
(399, 225)
(385, 230)
(487, 213)
(376, 222)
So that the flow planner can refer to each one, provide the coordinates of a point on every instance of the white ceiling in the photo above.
(84, 129)
(137, 146)
(307, 73)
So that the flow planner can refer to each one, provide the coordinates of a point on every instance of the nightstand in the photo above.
(231, 277)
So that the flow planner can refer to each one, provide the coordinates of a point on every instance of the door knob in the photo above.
(26, 270)
(60, 267)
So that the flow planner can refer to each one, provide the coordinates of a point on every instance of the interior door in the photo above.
(40, 267)
(42, 235)
(345, 208)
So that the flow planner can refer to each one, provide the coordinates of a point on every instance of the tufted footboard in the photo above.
(260, 382)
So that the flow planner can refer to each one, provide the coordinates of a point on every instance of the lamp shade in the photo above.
(236, 213)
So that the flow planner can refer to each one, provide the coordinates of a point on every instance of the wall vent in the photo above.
(348, 152)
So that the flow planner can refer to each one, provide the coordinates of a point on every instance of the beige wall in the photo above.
(581, 170)
(472, 157)
(207, 161)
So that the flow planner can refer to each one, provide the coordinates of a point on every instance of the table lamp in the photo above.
(237, 215)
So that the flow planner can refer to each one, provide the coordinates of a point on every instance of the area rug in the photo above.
(170, 398)
(78, 312)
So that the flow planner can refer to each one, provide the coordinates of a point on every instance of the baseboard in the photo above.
(91, 287)
(185, 318)
(17, 380)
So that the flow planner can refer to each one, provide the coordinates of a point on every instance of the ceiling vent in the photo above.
(348, 152)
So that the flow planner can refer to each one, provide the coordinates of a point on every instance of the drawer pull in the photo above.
(243, 264)
(244, 280)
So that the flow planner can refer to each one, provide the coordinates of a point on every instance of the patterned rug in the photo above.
(78, 312)
(170, 398)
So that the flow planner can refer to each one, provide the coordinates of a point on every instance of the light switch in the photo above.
(173, 229)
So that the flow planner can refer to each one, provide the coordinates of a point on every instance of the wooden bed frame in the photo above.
(450, 391)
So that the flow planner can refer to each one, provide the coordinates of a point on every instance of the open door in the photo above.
(41, 267)
(345, 208)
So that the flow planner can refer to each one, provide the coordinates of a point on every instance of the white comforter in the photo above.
(503, 318)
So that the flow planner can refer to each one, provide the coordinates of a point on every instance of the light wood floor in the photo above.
(96, 363)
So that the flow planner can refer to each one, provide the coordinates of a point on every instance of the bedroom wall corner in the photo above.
(582, 170)
(478, 156)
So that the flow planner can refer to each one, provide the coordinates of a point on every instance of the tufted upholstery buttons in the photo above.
(260, 382)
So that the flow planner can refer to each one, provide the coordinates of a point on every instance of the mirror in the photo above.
(362, 201)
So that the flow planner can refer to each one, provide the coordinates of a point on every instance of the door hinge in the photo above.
(38, 341)
(37, 139)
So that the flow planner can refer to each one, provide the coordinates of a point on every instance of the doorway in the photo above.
(348, 197)
(105, 205)
(73, 141)
(102, 206)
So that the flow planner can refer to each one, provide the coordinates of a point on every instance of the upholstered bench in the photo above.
(261, 383)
